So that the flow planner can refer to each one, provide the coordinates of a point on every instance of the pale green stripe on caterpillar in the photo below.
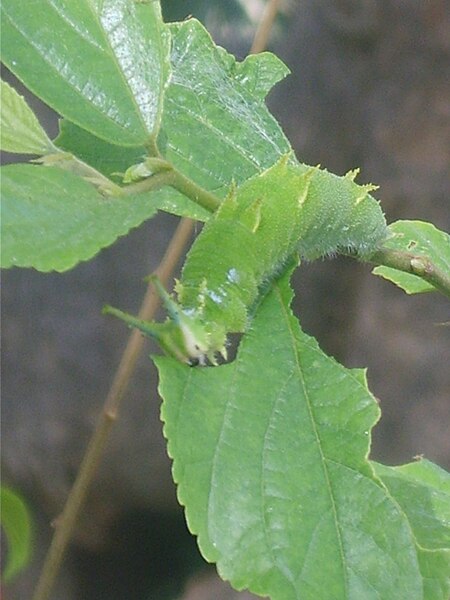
(288, 209)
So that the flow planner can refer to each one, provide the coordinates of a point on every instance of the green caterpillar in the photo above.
(288, 210)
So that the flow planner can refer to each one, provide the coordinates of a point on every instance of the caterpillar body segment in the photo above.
(288, 210)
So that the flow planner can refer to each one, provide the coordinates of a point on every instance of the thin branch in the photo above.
(174, 178)
(265, 26)
(66, 522)
(414, 264)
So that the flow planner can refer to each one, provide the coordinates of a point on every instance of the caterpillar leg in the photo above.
(149, 328)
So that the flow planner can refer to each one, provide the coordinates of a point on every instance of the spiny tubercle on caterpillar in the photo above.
(288, 210)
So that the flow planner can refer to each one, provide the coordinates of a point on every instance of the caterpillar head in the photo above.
(183, 335)
(187, 339)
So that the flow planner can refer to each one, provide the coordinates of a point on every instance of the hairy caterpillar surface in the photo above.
(288, 210)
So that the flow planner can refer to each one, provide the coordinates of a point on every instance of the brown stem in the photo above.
(65, 523)
(265, 26)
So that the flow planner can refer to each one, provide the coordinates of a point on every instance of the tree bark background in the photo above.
(369, 89)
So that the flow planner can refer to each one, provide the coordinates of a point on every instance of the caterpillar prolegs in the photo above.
(288, 210)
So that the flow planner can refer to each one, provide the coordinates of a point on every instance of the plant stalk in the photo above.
(265, 26)
(178, 181)
(193, 191)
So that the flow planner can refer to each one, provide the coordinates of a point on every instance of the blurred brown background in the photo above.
(369, 88)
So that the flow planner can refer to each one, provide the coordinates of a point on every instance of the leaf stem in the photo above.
(414, 264)
(166, 175)
(149, 184)
(69, 162)
(174, 178)
(193, 191)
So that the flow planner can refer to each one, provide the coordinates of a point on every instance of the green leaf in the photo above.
(21, 132)
(52, 219)
(422, 489)
(258, 73)
(270, 460)
(435, 569)
(16, 523)
(217, 126)
(214, 107)
(104, 65)
(419, 239)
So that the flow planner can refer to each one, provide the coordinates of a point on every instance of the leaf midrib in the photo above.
(288, 321)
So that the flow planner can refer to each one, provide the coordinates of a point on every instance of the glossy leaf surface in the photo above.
(104, 65)
(214, 108)
(208, 103)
